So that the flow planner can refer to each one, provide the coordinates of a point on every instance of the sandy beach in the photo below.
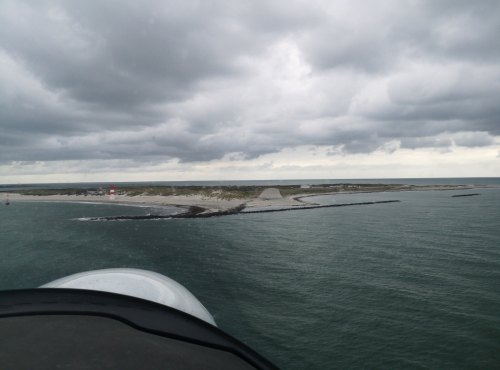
(212, 204)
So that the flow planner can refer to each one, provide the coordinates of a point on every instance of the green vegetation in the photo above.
(232, 192)
(42, 192)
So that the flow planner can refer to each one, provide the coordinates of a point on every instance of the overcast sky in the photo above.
(195, 90)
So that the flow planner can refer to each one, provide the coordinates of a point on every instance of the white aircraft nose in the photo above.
(140, 284)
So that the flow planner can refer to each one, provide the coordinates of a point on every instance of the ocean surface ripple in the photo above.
(413, 284)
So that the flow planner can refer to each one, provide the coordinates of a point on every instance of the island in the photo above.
(209, 201)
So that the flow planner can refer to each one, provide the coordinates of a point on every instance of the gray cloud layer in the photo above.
(196, 80)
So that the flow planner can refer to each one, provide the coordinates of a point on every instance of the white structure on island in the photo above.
(112, 193)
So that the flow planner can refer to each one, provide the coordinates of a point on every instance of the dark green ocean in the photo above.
(414, 284)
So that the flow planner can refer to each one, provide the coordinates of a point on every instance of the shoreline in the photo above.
(201, 205)
(130, 201)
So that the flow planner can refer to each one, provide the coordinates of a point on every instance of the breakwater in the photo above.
(199, 212)
(321, 206)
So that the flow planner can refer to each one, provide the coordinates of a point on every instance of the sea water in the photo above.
(414, 284)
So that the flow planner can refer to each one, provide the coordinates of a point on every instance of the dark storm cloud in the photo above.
(197, 80)
(374, 37)
(118, 54)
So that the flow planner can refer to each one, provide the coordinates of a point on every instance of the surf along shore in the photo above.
(210, 201)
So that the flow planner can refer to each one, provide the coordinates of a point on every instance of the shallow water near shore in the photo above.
(400, 285)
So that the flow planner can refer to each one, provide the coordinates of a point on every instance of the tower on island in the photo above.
(112, 192)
